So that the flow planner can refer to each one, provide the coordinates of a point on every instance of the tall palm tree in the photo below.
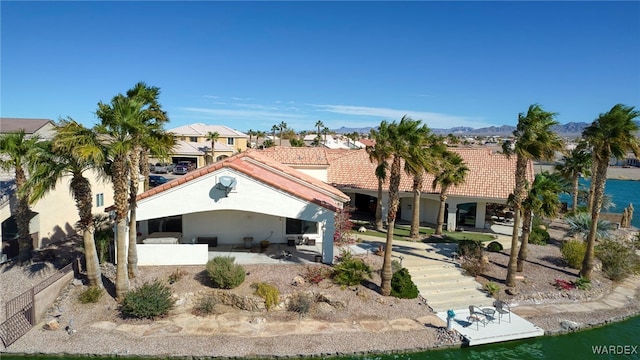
(319, 125)
(259, 134)
(325, 131)
(274, 128)
(380, 153)
(534, 140)
(452, 172)
(576, 163)
(542, 200)
(402, 137)
(213, 137)
(282, 126)
(18, 153)
(73, 151)
(251, 133)
(613, 134)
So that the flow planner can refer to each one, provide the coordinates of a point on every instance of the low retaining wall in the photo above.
(172, 254)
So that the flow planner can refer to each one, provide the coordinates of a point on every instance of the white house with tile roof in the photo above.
(193, 145)
(490, 181)
(248, 195)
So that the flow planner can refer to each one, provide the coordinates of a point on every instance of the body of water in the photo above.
(615, 341)
(622, 192)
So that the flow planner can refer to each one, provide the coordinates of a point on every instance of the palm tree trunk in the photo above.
(394, 184)
(379, 226)
(144, 168)
(524, 244)
(415, 212)
(598, 182)
(594, 171)
(518, 197)
(23, 217)
(81, 188)
(132, 257)
(443, 207)
(574, 183)
(122, 278)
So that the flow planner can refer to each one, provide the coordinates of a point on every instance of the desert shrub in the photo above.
(205, 305)
(402, 286)
(91, 295)
(473, 262)
(224, 273)
(636, 241)
(314, 274)
(492, 288)
(268, 292)
(563, 284)
(467, 247)
(573, 253)
(618, 260)
(350, 271)
(300, 303)
(539, 236)
(395, 265)
(583, 283)
(148, 301)
(176, 275)
(495, 246)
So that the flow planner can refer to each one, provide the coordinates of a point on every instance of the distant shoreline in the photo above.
(613, 173)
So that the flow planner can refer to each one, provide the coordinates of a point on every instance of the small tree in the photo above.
(344, 226)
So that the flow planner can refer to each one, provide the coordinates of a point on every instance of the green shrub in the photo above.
(91, 295)
(495, 246)
(573, 253)
(539, 236)
(205, 305)
(618, 260)
(268, 292)
(300, 303)
(492, 288)
(468, 247)
(402, 286)
(148, 301)
(224, 273)
(350, 271)
(583, 283)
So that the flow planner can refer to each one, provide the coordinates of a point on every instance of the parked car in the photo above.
(155, 180)
(163, 168)
(190, 166)
(181, 169)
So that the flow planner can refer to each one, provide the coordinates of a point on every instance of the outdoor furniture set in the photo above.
(486, 315)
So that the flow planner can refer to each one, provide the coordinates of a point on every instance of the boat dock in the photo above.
(493, 331)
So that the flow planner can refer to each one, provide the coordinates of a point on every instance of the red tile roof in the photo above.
(268, 171)
(298, 155)
(491, 175)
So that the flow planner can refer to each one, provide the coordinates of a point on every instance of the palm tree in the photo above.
(282, 126)
(380, 153)
(452, 172)
(319, 125)
(612, 134)
(534, 140)
(402, 137)
(73, 151)
(576, 163)
(274, 128)
(213, 137)
(259, 134)
(542, 200)
(250, 133)
(19, 152)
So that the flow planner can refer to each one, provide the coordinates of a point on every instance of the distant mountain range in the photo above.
(572, 129)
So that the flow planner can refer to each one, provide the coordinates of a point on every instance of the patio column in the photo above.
(451, 217)
(481, 214)
(327, 242)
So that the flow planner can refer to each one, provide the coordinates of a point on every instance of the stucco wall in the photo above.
(320, 174)
(45, 298)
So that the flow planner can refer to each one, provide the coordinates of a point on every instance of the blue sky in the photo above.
(250, 65)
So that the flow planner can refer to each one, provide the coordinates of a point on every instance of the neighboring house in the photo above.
(248, 195)
(490, 180)
(55, 215)
(327, 141)
(193, 145)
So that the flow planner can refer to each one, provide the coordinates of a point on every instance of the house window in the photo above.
(100, 200)
(300, 227)
(193, 138)
(230, 141)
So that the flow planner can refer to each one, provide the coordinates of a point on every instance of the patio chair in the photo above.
(502, 308)
(476, 315)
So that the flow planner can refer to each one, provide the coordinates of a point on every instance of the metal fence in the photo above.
(20, 311)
